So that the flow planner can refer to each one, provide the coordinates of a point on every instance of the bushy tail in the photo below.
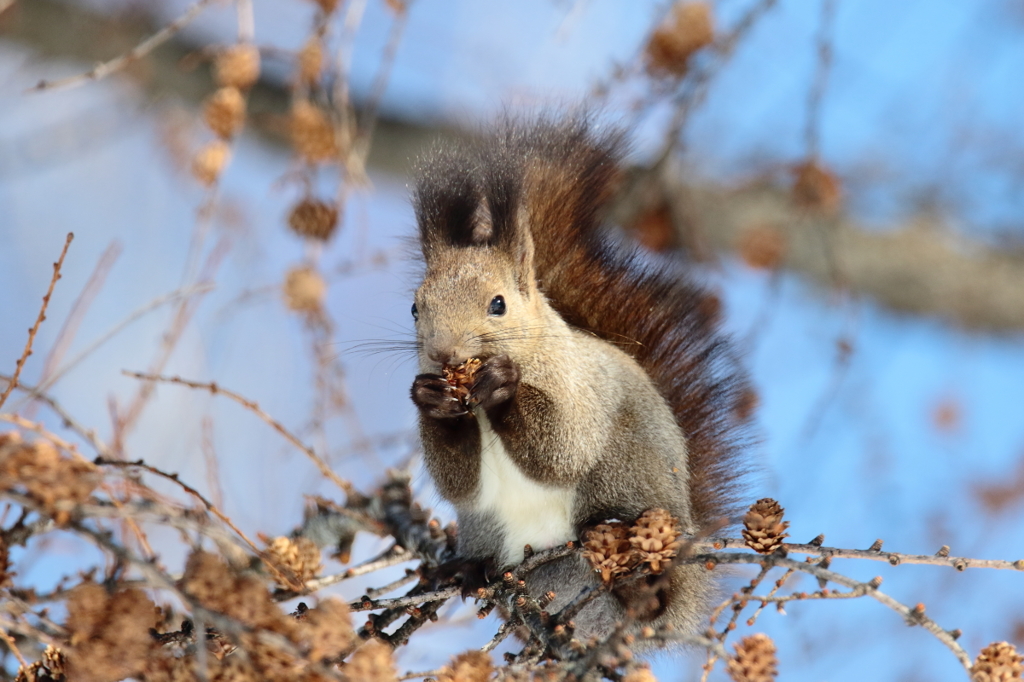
(560, 174)
(668, 324)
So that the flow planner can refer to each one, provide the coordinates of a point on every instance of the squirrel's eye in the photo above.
(497, 306)
(415, 313)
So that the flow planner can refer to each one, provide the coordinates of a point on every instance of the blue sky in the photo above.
(911, 82)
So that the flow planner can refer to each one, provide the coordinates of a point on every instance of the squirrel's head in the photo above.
(471, 305)
(479, 296)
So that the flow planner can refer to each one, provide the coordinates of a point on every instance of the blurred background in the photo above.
(849, 176)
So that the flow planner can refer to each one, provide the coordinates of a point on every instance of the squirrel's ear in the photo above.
(522, 254)
(446, 200)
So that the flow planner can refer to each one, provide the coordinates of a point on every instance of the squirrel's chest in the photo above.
(528, 512)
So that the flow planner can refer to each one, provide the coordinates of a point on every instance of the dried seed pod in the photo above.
(224, 112)
(998, 662)
(608, 549)
(210, 161)
(461, 378)
(471, 666)
(816, 187)
(688, 27)
(764, 528)
(313, 134)
(304, 290)
(328, 6)
(640, 674)
(311, 60)
(371, 663)
(42, 472)
(314, 219)
(655, 538)
(328, 630)
(754, 661)
(237, 67)
(301, 556)
(762, 246)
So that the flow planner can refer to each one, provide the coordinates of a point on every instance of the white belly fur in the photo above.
(529, 512)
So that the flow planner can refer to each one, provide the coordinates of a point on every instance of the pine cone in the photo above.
(640, 674)
(816, 187)
(237, 67)
(655, 538)
(210, 161)
(998, 662)
(301, 556)
(371, 663)
(314, 219)
(224, 112)
(327, 6)
(764, 528)
(754, 660)
(313, 134)
(304, 290)
(688, 27)
(471, 666)
(461, 378)
(311, 60)
(608, 549)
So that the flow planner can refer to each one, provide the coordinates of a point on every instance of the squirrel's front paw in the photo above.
(432, 394)
(496, 382)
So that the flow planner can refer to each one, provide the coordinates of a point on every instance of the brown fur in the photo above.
(606, 386)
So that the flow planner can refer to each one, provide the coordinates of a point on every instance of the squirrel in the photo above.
(605, 387)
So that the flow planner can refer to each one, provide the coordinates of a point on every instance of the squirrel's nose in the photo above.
(447, 357)
(446, 354)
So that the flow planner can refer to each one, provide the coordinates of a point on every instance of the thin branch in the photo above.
(104, 69)
(913, 616)
(212, 508)
(940, 558)
(39, 320)
(69, 422)
(184, 292)
(441, 595)
(253, 407)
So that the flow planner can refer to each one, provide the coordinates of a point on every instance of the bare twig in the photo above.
(104, 69)
(253, 407)
(39, 320)
(913, 616)
(893, 558)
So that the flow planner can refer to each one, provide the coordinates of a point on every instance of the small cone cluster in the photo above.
(311, 60)
(754, 661)
(608, 549)
(235, 70)
(210, 161)
(328, 6)
(816, 187)
(615, 548)
(762, 246)
(304, 290)
(371, 663)
(313, 135)
(224, 112)
(640, 674)
(998, 662)
(655, 538)
(471, 666)
(237, 67)
(763, 527)
(461, 378)
(38, 469)
(51, 668)
(688, 27)
(300, 556)
(313, 219)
